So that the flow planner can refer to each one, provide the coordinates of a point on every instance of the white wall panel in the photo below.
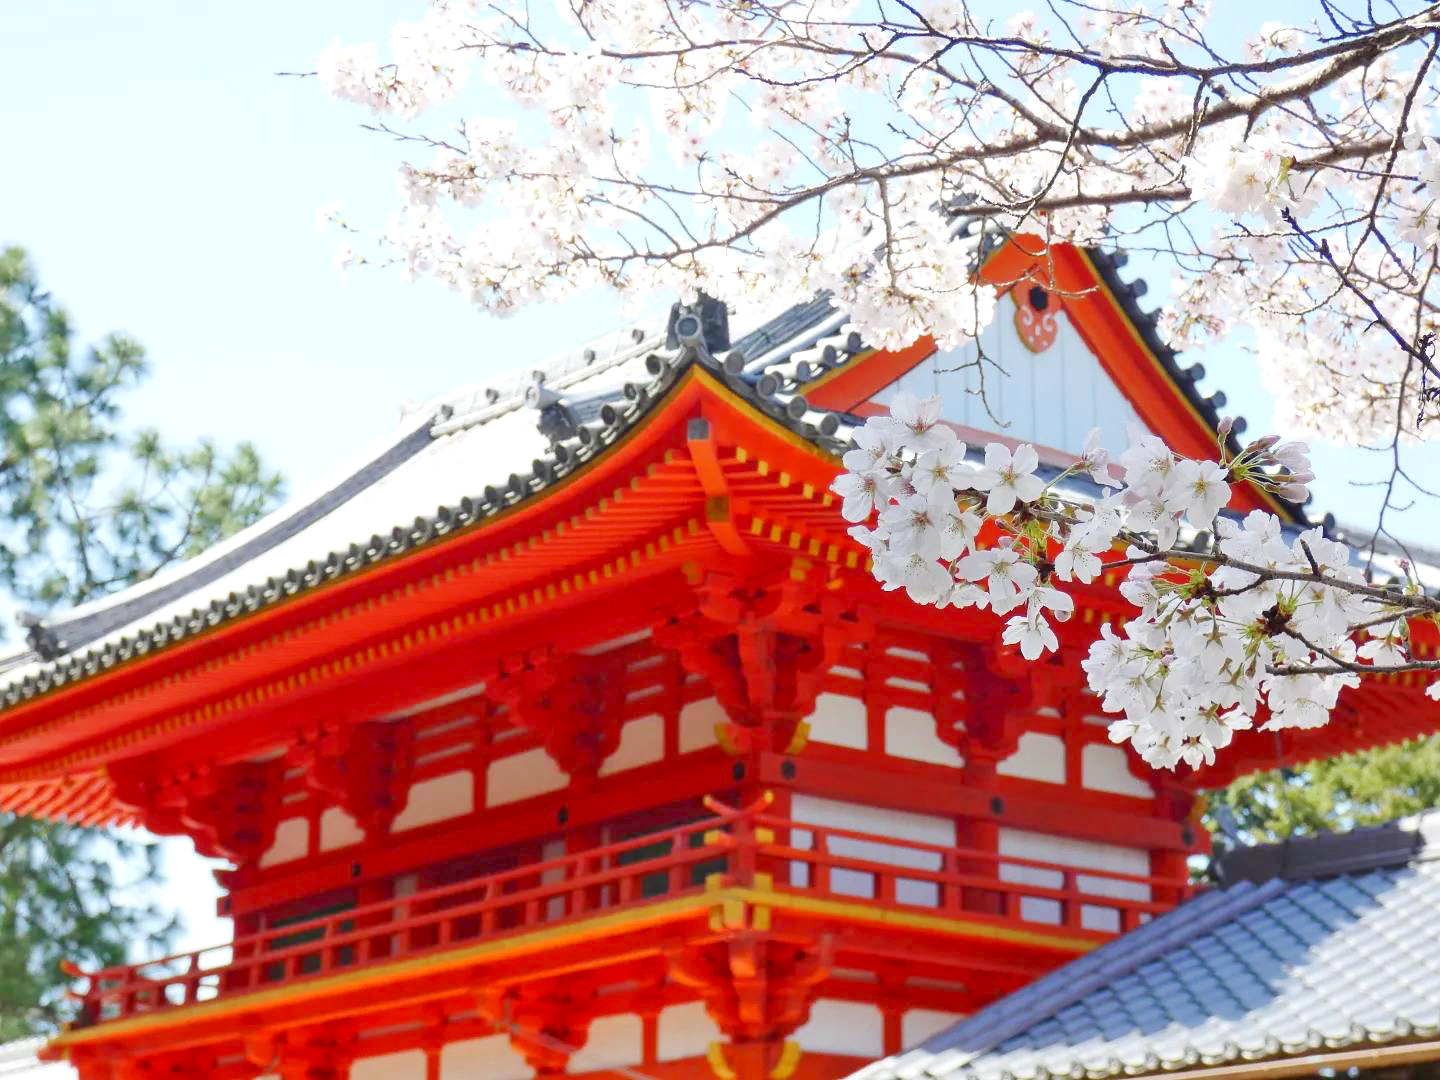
(405, 1065)
(642, 741)
(684, 1031)
(292, 841)
(839, 721)
(917, 1025)
(522, 776)
(613, 1041)
(1106, 768)
(491, 1057)
(436, 799)
(843, 1027)
(338, 829)
(1036, 757)
(697, 724)
(1053, 398)
(910, 733)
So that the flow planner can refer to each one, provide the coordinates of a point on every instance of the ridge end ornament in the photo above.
(1037, 312)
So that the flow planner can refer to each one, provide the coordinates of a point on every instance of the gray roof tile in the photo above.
(1248, 972)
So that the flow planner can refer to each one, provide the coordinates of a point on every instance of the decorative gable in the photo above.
(1029, 377)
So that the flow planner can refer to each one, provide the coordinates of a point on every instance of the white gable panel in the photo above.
(1052, 398)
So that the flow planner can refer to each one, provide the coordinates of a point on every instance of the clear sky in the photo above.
(165, 180)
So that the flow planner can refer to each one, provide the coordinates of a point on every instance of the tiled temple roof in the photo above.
(412, 486)
(418, 478)
(1317, 945)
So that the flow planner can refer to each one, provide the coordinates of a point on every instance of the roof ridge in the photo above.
(89, 622)
(481, 402)
(1010, 1016)
(1404, 841)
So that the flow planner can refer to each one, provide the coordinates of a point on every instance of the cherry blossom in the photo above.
(762, 151)
(1261, 624)
(1197, 489)
(1008, 476)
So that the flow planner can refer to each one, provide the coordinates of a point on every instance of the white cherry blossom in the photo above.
(1197, 489)
(919, 423)
(942, 470)
(1008, 476)
(763, 151)
(1269, 616)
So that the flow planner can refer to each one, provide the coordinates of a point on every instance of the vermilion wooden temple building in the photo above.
(568, 732)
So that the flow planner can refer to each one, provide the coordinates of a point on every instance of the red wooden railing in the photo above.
(739, 844)
(963, 880)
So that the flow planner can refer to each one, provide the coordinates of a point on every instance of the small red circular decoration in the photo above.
(1036, 317)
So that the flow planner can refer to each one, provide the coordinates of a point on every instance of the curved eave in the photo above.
(443, 564)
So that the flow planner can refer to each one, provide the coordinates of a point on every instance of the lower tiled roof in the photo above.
(1277, 969)
(18, 1062)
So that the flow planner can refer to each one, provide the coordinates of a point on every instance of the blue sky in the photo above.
(165, 180)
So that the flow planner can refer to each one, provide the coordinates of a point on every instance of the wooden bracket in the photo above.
(765, 646)
(573, 702)
(719, 506)
(364, 767)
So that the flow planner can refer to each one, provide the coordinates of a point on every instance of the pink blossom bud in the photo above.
(1225, 426)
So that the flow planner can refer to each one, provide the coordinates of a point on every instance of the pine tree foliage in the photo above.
(91, 508)
(88, 507)
(1331, 795)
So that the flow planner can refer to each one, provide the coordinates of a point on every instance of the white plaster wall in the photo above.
(921, 828)
(843, 1027)
(917, 1025)
(910, 733)
(491, 1057)
(405, 1065)
(642, 741)
(614, 1041)
(839, 721)
(522, 776)
(1106, 768)
(338, 829)
(436, 799)
(1036, 757)
(1053, 398)
(1065, 851)
(697, 724)
(292, 841)
(684, 1031)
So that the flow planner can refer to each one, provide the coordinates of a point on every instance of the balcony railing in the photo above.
(737, 845)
